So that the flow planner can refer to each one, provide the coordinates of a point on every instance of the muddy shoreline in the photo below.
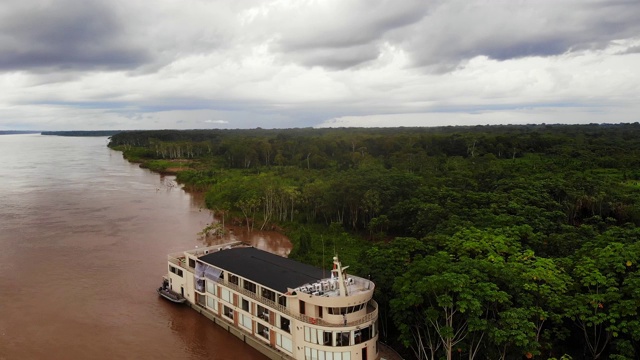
(235, 228)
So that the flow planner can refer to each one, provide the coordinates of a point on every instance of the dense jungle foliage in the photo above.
(485, 242)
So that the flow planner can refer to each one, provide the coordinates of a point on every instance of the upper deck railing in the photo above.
(372, 308)
(176, 261)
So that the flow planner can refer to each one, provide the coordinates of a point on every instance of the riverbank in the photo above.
(145, 160)
(311, 243)
(273, 240)
(166, 167)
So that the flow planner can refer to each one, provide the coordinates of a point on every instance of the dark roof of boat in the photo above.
(264, 268)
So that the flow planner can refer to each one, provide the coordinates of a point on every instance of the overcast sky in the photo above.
(150, 64)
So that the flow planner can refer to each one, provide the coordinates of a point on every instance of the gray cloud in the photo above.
(349, 23)
(69, 35)
(94, 34)
(632, 50)
(502, 30)
(343, 58)
(345, 35)
(443, 34)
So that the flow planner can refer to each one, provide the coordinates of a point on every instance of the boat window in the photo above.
(248, 285)
(315, 354)
(233, 279)
(175, 271)
(366, 333)
(228, 312)
(226, 295)
(282, 300)
(285, 324)
(246, 322)
(201, 300)
(357, 337)
(263, 313)
(342, 338)
(263, 331)
(346, 310)
(302, 309)
(285, 343)
(328, 338)
(268, 294)
(200, 285)
(316, 336)
(212, 288)
(322, 336)
(245, 305)
(211, 303)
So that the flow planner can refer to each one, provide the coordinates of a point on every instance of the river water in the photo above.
(83, 242)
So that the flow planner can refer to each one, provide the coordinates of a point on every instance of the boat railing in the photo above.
(176, 261)
(304, 318)
(180, 258)
(197, 252)
(367, 318)
(360, 285)
(254, 296)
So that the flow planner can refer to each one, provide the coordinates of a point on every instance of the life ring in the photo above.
(313, 320)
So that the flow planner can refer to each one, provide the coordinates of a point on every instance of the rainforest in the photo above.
(485, 242)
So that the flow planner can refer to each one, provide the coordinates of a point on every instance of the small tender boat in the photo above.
(171, 295)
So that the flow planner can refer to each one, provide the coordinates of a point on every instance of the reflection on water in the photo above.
(83, 243)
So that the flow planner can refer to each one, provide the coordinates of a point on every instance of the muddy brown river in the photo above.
(83, 242)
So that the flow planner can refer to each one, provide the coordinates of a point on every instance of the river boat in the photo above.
(283, 308)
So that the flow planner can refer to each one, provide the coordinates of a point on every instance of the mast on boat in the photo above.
(339, 274)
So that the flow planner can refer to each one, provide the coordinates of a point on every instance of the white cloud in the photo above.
(303, 63)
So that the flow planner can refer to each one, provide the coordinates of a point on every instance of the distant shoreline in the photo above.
(77, 133)
(17, 132)
(82, 133)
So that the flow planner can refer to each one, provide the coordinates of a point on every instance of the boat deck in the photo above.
(329, 287)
